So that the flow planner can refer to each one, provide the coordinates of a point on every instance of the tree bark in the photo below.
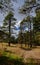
(30, 36)
(9, 31)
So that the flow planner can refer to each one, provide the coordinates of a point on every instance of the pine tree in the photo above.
(8, 24)
(26, 9)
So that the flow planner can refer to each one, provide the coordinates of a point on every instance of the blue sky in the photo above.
(18, 16)
(16, 6)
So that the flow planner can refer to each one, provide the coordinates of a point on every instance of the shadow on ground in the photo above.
(7, 61)
(27, 49)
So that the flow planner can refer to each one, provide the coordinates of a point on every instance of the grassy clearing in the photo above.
(11, 59)
(15, 55)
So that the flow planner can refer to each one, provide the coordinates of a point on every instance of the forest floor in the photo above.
(22, 52)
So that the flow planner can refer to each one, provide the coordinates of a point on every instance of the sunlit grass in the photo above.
(8, 57)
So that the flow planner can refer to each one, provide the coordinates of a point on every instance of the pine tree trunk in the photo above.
(9, 31)
(30, 36)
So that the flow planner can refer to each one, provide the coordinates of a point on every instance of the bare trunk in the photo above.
(9, 31)
(30, 36)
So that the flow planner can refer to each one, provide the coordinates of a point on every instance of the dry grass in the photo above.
(15, 49)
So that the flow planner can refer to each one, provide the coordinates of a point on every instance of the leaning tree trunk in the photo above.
(9, 31)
